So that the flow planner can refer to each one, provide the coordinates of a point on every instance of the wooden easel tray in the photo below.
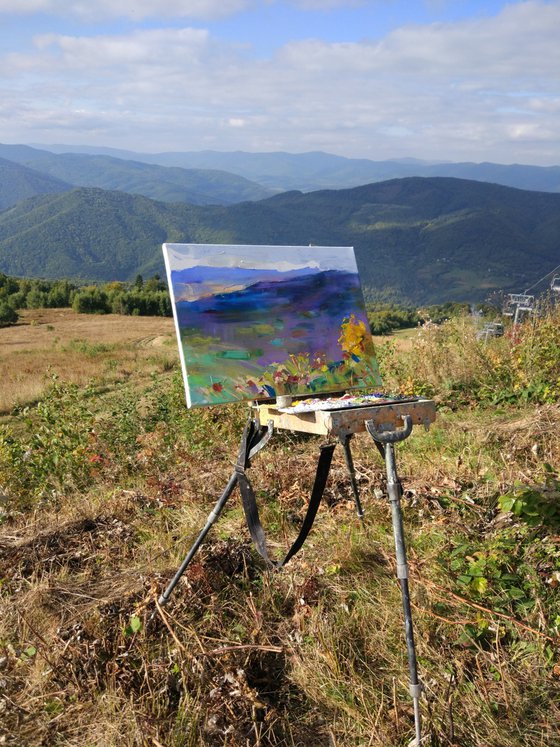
(343, 422)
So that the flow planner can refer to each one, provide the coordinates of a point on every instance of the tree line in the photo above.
(140, 298)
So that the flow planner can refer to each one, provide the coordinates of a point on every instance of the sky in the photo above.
(434, 79)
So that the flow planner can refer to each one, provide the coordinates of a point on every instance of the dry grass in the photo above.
(402, 339)
(78, 348)
(313, 655)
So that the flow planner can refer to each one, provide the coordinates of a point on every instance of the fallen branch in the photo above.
(248, 646)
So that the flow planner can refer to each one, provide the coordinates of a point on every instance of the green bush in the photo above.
(449, 361)
(49, 455)
(91, 300)
(8, 315)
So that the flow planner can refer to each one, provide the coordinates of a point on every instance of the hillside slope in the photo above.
(18, 183)
(430, 239)
(167, 183)
(88, 234)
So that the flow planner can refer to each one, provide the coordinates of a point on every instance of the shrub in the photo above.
(448, 361)
(49, 456)
(8, 315)
(91, 300)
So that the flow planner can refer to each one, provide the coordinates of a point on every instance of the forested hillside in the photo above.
(18, 183)
(171, 184)
(428, 240)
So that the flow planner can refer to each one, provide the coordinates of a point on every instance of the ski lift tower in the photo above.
(518, 304)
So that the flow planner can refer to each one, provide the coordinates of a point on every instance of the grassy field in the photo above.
(78, 348)
(105, 479)
(81, 347)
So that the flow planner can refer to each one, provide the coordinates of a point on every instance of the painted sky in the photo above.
(439, 80)
(280, 258)
(225, 268)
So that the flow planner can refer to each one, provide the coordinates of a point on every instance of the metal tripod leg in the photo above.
(257, 439)
(394, 490)
(345, 441)
(211, 519)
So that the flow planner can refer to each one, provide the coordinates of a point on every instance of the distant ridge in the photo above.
(318, 170)
(195, 186)
(429, 239)
(19, 183)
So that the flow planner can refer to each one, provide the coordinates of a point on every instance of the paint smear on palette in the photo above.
(345, 402)
(256, 322)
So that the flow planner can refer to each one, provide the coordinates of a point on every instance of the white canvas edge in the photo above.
(176, 323)
(251, 248)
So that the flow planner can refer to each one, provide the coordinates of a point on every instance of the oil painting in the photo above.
(257, 322)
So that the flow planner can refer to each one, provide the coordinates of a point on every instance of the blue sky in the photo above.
(438, 80)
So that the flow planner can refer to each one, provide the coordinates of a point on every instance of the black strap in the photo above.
(321, 476)
(251, 435)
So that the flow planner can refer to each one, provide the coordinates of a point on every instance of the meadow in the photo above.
(78, 348)
(106, 477)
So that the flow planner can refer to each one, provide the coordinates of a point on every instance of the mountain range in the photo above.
(167, 183)
(430, 239)
(317, 170)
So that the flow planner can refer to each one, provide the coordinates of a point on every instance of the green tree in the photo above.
(8, 315)
(36, 299)
(60, 294)
(7, 285)
(91, 300)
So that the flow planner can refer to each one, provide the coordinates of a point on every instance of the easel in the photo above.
(387, 424)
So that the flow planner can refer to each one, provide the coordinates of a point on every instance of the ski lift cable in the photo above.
(543, 278)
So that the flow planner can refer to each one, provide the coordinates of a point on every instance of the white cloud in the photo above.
(140, 9)
(25, 6)
(160, 47)
(483, 89)
(136, 9)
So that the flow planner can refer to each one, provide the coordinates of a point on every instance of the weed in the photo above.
(449, 360)
(91, 349)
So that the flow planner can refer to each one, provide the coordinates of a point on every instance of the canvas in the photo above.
(257, 322)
